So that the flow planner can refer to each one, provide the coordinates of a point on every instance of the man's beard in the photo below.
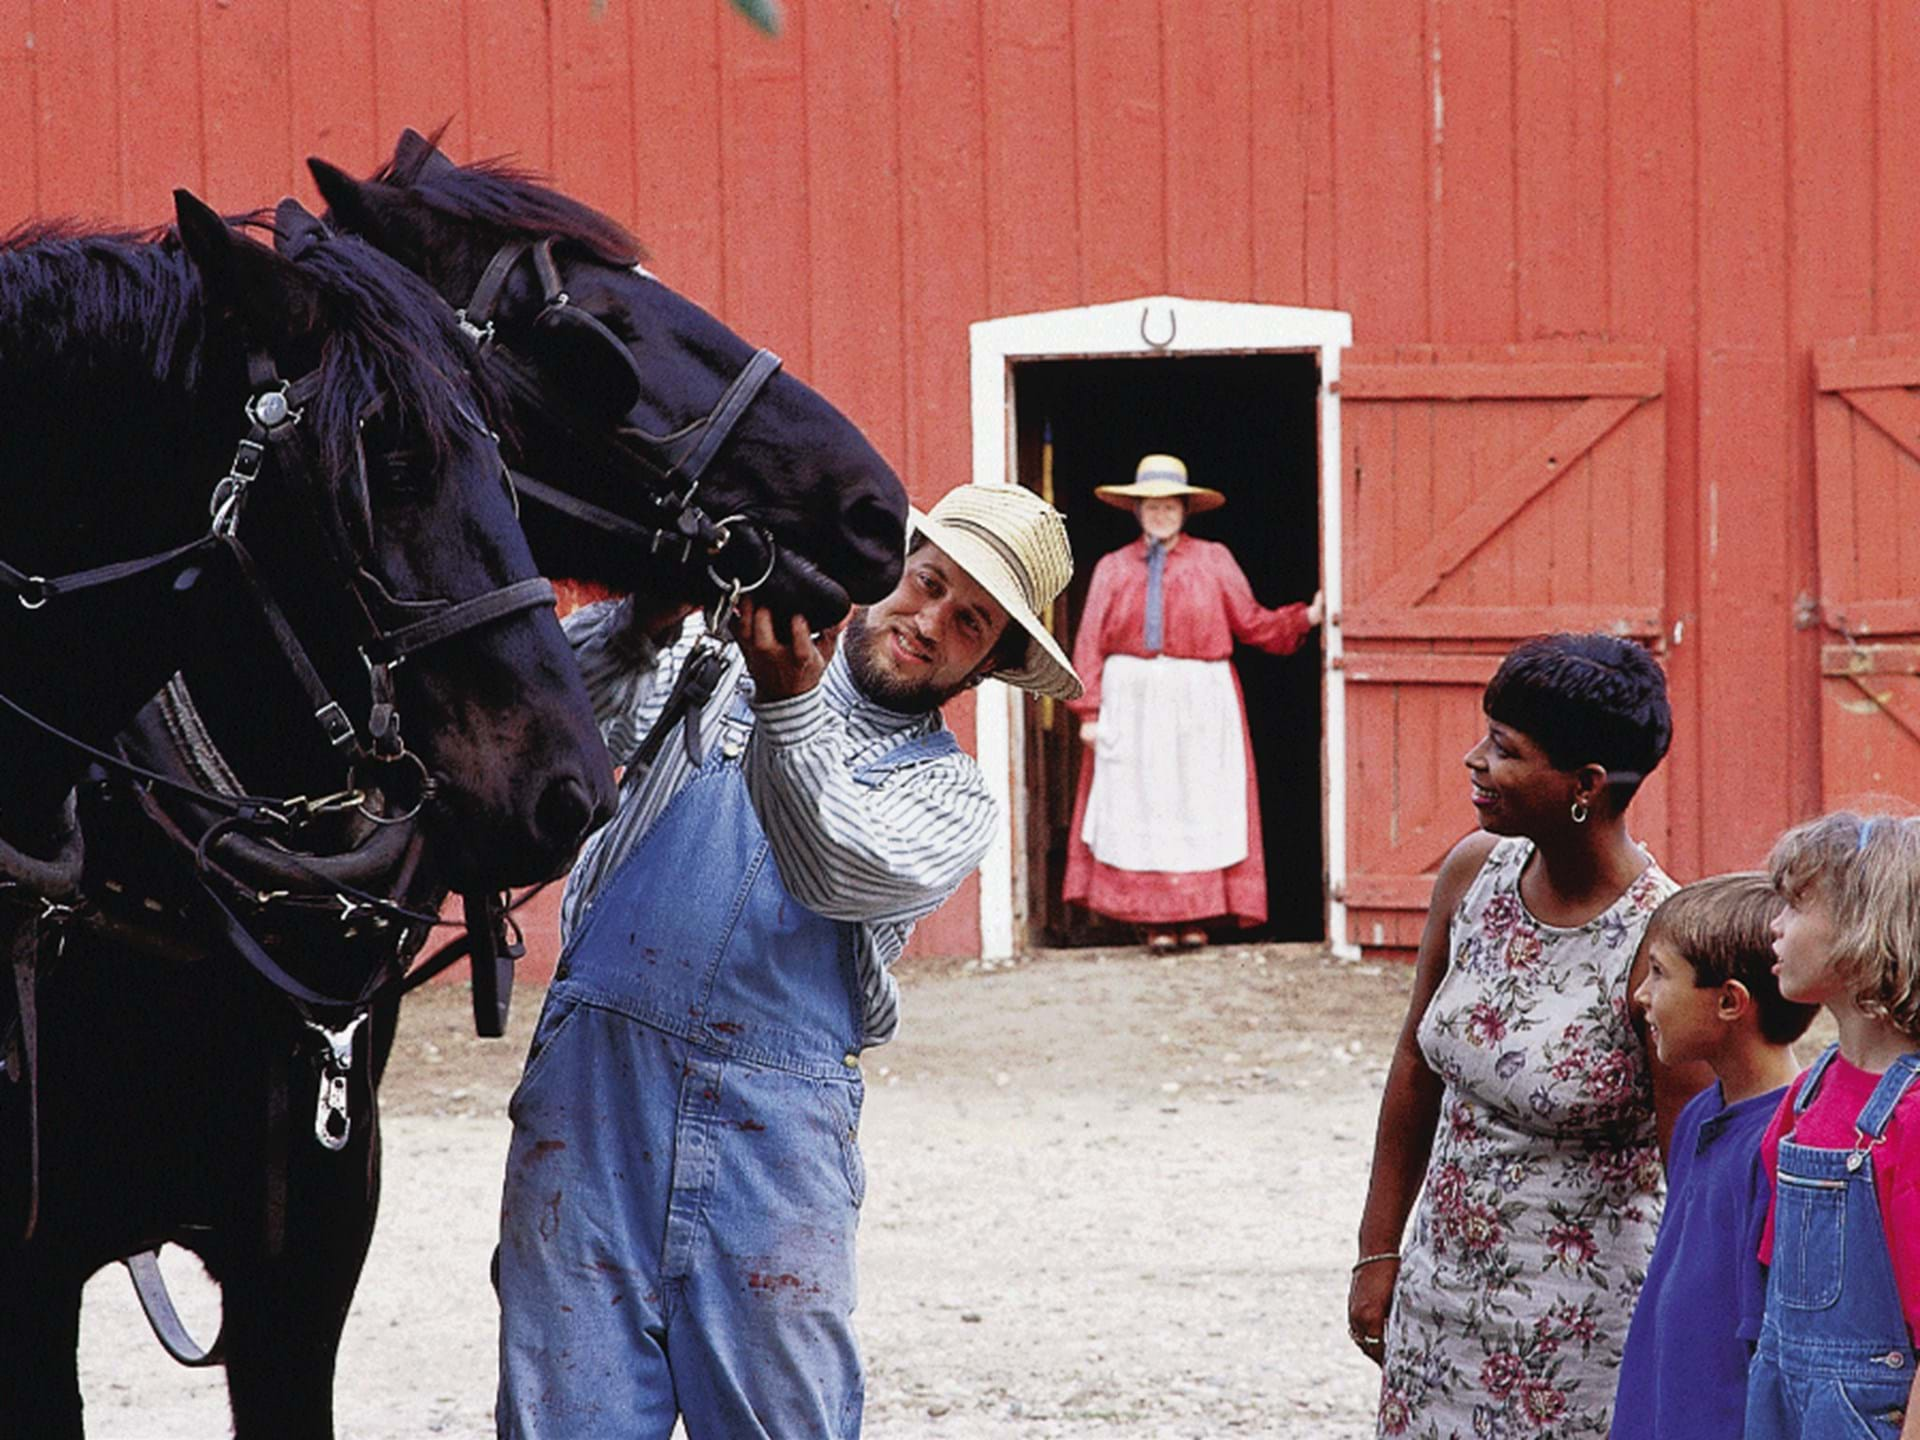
(883, 687)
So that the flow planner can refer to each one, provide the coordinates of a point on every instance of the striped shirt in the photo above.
(879, 857)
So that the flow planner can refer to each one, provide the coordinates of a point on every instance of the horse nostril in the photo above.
(564, 812)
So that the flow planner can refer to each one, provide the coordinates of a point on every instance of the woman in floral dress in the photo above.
(1524, 1106)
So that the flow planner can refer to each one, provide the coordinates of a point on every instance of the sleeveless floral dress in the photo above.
(1545, 1186)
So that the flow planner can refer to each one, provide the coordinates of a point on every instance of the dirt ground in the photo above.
(1111, 1195)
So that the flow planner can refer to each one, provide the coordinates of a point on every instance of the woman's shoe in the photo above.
(1162, 942)
(1192, 939)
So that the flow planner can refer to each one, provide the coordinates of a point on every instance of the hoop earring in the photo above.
(1580, 812)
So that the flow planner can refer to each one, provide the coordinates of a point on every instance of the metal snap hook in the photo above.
(39, 584)
(723, 608)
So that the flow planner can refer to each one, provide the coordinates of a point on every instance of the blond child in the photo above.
(1836, 1353)
(1709, 997)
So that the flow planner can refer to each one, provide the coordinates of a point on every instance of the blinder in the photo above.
(603, 378)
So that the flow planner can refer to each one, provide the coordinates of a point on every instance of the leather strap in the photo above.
(699, 678)
(718, 427)
(151, 1286)
(332, 717)
(456, 618)
(26, 958)
(480, 308)
(35, 590)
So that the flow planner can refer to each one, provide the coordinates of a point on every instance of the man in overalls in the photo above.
(684, 1183)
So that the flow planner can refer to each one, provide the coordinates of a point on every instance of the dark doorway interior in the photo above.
(1245, 424)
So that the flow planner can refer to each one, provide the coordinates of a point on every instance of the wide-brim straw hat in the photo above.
(1015, 546)
(1159, 477)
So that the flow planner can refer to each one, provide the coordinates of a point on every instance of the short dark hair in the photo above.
(1723, 927)
(1586, 699)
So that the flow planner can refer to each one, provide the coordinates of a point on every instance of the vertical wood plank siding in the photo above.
(1736, 184)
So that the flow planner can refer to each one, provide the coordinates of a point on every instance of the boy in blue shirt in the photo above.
(1710, 994)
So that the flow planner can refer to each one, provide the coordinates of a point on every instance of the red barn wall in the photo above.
(1735, 183)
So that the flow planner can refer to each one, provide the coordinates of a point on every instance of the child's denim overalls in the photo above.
(682, 1190)
(1835, 1359)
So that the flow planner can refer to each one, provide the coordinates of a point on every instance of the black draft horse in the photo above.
(610, 408)
(364, 548)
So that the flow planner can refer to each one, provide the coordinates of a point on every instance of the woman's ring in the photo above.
(1354, 1335)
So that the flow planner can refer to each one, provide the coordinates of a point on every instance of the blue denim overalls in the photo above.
(1835, 1359)
(683, 1186)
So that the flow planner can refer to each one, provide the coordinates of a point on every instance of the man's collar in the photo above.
(844, 694)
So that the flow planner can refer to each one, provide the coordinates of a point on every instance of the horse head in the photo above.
(435, 609)
(619, 388)
(319, 401)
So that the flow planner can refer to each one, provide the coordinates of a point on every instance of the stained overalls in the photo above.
(1835, 1358)
(684, 1182)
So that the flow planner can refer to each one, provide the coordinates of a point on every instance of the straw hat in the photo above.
(1158, 476)
(1015, 546)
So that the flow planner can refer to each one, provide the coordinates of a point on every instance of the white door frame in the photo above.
(1155, 325)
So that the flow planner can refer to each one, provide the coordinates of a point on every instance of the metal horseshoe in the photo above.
(1173, 328)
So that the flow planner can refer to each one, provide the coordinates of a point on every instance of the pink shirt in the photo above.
(1828, 1125)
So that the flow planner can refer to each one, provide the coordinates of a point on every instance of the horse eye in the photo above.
(401, 471)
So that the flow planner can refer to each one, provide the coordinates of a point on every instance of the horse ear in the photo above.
(295, 228)
(378, 213)
(415, 157)
(267, 295)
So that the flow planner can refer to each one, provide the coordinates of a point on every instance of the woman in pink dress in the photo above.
(1166, 825)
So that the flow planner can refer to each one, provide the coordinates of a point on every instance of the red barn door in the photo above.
(1491, 493)
(1867, 484)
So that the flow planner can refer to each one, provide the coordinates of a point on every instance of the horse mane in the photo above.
(501, 193)
(68, 294)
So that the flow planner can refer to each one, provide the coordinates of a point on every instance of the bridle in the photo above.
(390, 629)
(676, 463)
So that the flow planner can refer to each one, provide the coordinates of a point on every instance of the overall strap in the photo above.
(1878, 1111)
(1815, 1073)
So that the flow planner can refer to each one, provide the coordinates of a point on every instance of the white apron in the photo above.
(1170, 767)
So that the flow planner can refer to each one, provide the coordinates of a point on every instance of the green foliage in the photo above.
(764, 14)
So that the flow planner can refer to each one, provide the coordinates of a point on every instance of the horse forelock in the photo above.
(394, 340)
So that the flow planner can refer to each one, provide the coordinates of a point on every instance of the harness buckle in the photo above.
(481, 335)
(334, 722)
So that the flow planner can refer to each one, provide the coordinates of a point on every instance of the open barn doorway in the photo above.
(1245, 425)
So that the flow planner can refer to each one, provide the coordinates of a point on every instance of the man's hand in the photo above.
(786, 665)
(1317, 607)
(1089, 732)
